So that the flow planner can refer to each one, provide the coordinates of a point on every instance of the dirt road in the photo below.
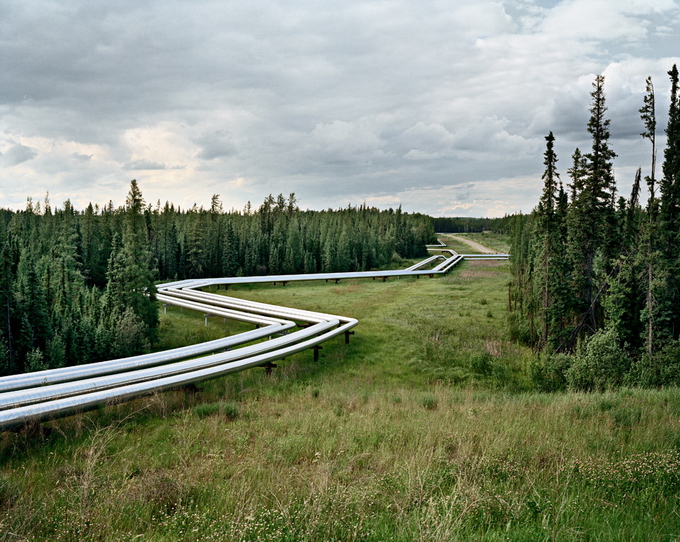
(474, 244)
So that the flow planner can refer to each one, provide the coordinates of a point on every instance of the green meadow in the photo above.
(425, 427)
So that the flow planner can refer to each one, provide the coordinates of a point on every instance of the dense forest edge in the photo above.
(596, 277)
(78, 286)
(465, 224)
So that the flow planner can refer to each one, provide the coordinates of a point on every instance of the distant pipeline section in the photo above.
(45, 395)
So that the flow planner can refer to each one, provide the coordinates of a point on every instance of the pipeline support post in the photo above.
(316, 351)
(347, 334)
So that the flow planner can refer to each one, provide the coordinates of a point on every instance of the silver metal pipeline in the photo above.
(240, 304)
(216, 311)
(425, 262)
(67, 389)
(66, 374)
(45, 395)
(87, 401)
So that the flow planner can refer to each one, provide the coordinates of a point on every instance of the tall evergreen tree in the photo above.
(7, 306)
(131, 276)
(668, 314)
(592, 216)
(648, 116)
(547, 237)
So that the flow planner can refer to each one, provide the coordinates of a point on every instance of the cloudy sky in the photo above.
(438, 105)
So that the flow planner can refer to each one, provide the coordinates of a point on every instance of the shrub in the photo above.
(482, 363)
(205, 410)
(662, 369)
(129, 335)
(230, 410)
(599, 363)
(518, 328)
(35, 361)
(549, 371)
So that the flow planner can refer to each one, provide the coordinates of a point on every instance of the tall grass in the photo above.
(423, 428)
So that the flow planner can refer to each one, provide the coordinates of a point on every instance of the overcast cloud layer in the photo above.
(441, 106)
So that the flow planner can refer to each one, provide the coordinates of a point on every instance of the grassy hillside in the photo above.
(424, 428)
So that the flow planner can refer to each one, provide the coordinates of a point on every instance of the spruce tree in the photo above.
(547, 232)
(648, 116)
(7, 307)
(591, 221)
(668, 313)
(130, 274)
(670, 184)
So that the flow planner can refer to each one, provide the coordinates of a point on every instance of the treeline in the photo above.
(279, 238)
(596, 285)
(464, 224)
(78, 286)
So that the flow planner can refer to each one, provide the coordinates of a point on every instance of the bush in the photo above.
(35, 361)
(600, 363)
(230, 410)
(518, 328)
(129, 335)
(482, 363)
(205, 410)
(663, 369)
(549, 371)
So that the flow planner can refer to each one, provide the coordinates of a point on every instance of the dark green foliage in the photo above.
(80, 287)
(668, 307)
(466, 224)
(592, 221)
(662, 368)
(614, 287)
(278, 238)
(551, 268)
(599, 363)
(670, 184)
(549, 371)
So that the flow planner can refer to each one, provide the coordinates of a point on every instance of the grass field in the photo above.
(425, 427)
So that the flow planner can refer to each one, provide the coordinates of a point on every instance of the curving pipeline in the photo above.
(45, 395)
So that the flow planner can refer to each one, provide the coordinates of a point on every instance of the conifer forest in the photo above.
(596, 276)
(595, 286)
(78, 287)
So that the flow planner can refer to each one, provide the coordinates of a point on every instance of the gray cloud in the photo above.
(143, 165)
(361, 100)
(17, 154)
(82, 157)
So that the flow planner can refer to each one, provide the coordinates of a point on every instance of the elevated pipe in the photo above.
(48, 394)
